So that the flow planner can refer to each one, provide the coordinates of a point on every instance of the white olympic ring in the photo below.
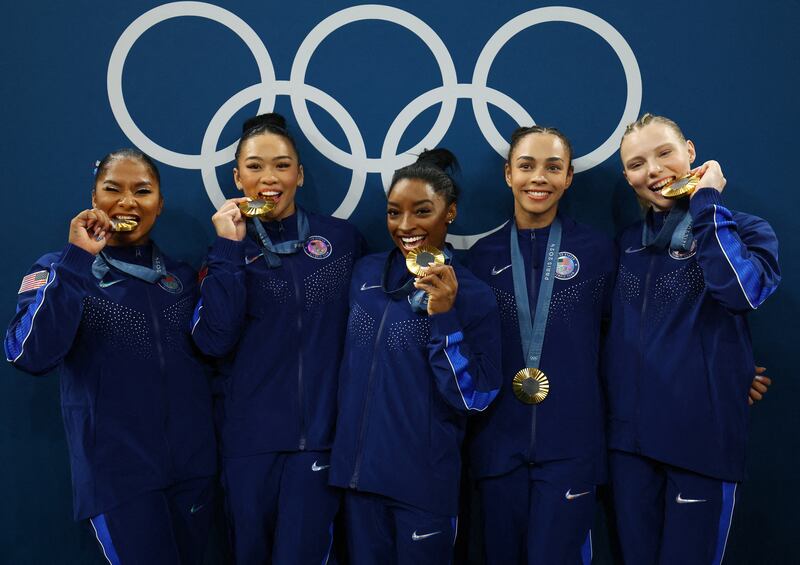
(300, 93)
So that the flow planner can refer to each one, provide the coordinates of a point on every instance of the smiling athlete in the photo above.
(539, 451)
(274, 307)
(421, 354)
(112, 313)
(679, 358)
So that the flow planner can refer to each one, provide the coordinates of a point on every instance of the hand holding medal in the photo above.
(229, 221)
(711, 176)
(88, 230)
(436, 279)
(708, 175)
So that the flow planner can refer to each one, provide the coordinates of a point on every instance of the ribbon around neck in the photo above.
(271, 250)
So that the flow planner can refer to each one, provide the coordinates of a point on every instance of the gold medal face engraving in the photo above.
(256, 208)
(681, 187)
(530, 386)
(118, 225)
(421, 257)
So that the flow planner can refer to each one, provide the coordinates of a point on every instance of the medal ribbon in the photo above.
(418, 298)
(532, 332)
(103, 264)
(272, 250)
(677, 229)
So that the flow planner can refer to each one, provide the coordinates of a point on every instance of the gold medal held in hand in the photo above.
(681, 187)
(530, 386)
(256, 208)
(421, 257)
(119, 224)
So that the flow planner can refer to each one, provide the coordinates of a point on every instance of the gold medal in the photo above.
(256, 208)
(530, 386)
(421, 257)
(681, 187)
(118, 225)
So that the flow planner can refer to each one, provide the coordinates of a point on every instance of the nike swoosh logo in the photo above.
(496, 271)
(196, 508)
(416, 537)
(365, 287)
(632, 250)
(315, 467)
(570, 496)
(680, 500)
(106, 284)
(248, 260)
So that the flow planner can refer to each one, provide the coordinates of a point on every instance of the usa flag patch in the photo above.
(33, 281)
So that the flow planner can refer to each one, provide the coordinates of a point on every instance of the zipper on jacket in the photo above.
(300, 396)
(641, 350)
(163, 370)
(367, 401)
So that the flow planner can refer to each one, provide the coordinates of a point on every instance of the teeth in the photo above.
(412, 239)
(662, 183)
(269, 193)
(124, 217)
(536, 192)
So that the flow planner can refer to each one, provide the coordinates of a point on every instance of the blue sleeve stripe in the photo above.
(586, 550)
(15, 346)
(473, 399)
(103, 536)
(725, 520)
(196, 315)
(732, 248)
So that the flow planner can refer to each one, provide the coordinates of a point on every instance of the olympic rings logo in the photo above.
(300, 93)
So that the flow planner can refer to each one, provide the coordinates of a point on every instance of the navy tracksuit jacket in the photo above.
(135, 398)
(407, 383)
(280, 334)
(569, 422)
(679, 361)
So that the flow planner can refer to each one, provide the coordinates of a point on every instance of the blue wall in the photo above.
(726, 71)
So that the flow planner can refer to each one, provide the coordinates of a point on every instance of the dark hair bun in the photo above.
(441, 158)
(270, 120)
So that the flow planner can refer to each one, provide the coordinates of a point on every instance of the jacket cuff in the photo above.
(76, 259)
(704, 198)
(228, 250)
(446, 323)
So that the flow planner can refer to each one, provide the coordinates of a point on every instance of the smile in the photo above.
(273, 194)
(412, 241)
(537, 194)
(126, 217)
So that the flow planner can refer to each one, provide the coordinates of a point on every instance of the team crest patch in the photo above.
(683, 255)
(171, 283)
(317, 247)
(567, 266)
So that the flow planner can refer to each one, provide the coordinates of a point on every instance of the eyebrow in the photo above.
(137, 183)
(258, 158)
(529, 158)
(417, 203)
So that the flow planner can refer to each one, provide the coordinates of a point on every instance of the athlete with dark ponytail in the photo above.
(422, 353)
(273, 308)
(539, 452)
(112, 313)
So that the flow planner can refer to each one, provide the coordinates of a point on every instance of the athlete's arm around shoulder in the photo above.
(49, 309)
(737, 252)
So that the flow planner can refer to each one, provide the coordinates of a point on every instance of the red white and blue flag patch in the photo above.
(33, 281)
